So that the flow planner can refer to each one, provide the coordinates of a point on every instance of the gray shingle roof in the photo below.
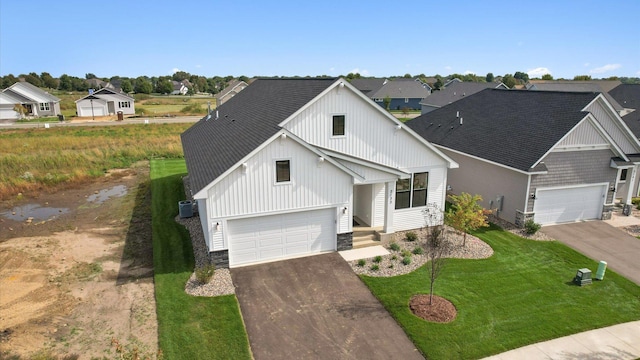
(513, 128)
(401, 88)
(368, 86)
(244, 122)
(456, 91)
(628, 96)
(583, 86)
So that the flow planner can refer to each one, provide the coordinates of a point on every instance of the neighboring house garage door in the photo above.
(97, 111)
(569, 204)
(8, 114)
(274, 237)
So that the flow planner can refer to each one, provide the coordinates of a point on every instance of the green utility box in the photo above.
(583, 277)
(602, 267)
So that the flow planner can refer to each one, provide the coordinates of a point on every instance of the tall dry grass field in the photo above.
(36, 160)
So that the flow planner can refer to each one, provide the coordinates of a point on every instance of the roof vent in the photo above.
(457, 114)
(460, 121)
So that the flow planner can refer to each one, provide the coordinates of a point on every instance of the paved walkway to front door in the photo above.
(316, 308)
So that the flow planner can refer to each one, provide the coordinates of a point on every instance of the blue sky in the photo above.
(286, 38)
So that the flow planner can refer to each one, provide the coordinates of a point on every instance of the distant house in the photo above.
(105, 102)
(179, 88)
(403, 93)
(36, 102)
(628, 97)
(455, 91)
(235, 86)
(96, 83)
(602, 86)
(549, 156)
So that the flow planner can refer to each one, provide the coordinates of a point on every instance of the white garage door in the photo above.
(86, 111)
(282, 236)
(569, 204)
(8, 114)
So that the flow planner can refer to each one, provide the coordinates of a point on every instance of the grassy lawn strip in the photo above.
(189, 327)
(521, 295)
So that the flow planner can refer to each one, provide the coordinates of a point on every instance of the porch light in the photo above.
(217, 226)
(344, 210)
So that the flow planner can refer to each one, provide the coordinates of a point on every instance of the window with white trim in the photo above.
(45, 107)
(338, 125)
(406, 100)
(623, 175)
(283, 171)
(412, 192)
(124, 104)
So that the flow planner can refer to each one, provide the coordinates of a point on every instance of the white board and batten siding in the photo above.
(254, 191)
(369, 134)
(378, 207)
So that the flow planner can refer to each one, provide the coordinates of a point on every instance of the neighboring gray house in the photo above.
(404, 93)
(602, 86)
(235, 86)
(284, 169)
(105, 101)
(549, 156)
(455, 91)
(628, 96)
(38, 103)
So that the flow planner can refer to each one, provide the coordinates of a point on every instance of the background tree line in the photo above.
(140, 84)
(201, 84)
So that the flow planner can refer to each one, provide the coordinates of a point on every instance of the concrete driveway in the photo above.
(601, 241)
(316, 308)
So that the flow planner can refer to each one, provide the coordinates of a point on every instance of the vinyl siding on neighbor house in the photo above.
(566, 168)
(583, 134)
(489, 181)
(614, 128)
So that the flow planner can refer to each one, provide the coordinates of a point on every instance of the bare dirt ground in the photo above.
(77, 278)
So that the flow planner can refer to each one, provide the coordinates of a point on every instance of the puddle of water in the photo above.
(106, 194)
(35, 211)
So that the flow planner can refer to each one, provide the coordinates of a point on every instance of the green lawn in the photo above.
(521, 295)
(188, 327)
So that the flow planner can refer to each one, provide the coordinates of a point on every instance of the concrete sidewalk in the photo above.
(620, 341)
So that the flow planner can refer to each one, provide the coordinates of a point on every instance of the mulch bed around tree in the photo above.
(441, 310)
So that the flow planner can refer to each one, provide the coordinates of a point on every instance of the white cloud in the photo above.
(447, 67)
(198, 66)
(174, 70)
(604, 69)
(538, 72)
(332, 69)
(362, 72)
(586, 64)
(520, 43)
(638, 72)
(469, 72)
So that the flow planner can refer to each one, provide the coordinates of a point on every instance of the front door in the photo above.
(362, 200)
(112, 107)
